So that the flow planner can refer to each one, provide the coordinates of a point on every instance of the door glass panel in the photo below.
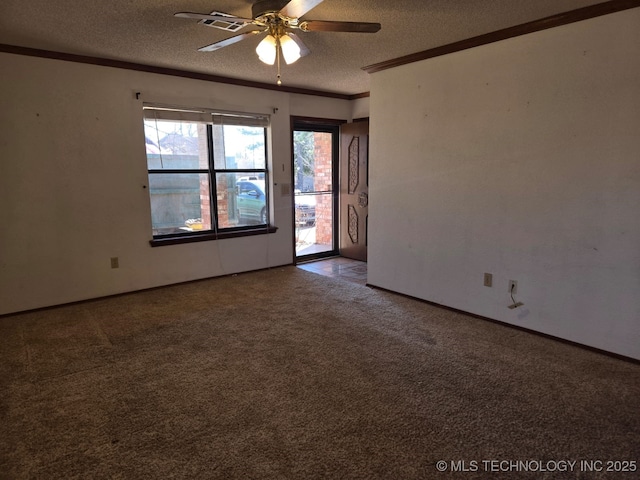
(313, 192)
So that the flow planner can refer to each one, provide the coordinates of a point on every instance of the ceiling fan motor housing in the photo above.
(267, 6)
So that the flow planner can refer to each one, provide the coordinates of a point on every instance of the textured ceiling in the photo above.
(146, 32)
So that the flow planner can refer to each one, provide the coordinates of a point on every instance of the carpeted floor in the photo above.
(285, 374)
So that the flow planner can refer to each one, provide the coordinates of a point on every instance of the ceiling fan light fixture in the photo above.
(278, 19)
(290, 49)
(266, 50)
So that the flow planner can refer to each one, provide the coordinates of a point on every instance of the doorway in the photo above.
(315, 179)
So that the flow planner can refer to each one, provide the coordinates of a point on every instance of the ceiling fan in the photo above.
(278, 19)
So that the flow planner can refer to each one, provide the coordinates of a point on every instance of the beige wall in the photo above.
(521, 159)
(72, 171)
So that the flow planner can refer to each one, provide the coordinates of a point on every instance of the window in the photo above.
(207, 172)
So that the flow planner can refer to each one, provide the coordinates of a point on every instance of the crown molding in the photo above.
(138, 67)
(553, 21)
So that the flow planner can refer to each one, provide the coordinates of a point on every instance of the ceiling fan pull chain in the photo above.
(278, 58)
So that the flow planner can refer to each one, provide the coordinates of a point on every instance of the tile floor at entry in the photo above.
(338, 267)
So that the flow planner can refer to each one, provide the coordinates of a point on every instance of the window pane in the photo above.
(314, 223)
(242, 199)
(180, 202)
(175, 145)
(239, 147)
(312, 158)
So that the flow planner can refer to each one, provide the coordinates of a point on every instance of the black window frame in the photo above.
(216, 232)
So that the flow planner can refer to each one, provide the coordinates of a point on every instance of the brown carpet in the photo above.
(285, 374)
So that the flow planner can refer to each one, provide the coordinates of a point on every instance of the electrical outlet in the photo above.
(513, 287)
(488, 279)
(114, 262)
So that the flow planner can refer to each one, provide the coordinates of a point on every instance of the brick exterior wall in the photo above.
(322, 182)
(205, 200)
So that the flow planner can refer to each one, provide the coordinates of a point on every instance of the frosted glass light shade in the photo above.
(266, 50)
(290, 49)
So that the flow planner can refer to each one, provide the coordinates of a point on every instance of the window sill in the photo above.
(208, 236)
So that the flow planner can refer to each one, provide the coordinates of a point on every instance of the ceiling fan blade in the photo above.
(229, 41)
(219, 18)
(304, 50)
(328, 26)
(297, 8)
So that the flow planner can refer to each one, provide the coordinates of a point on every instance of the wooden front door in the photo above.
(354, 189)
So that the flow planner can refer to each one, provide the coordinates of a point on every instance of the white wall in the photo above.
(72, 170)
(522, 159)
(360, 108)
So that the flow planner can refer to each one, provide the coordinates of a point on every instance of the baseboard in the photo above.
(516, 327)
